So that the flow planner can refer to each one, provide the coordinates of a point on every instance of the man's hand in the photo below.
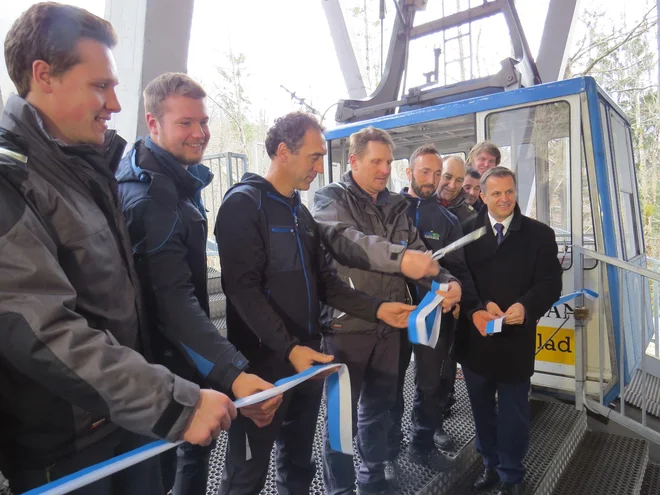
(452, 297)
(416, 265)
(515, 315)
(213, 413)
(456, 312)
(261, 413)
(395, 314)
(302, 357)
(494, 310)
(480, 319)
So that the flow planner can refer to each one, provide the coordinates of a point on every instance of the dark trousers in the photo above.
(502, 426)
(185, 470)
(373, 364)
(432, 387)
(395, 436)
(292, 431)
(140, 479)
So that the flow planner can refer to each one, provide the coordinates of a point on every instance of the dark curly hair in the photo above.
(290, 130)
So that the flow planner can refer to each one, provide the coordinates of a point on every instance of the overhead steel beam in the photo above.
(344, 49)
(457, 19)
(389, 87)
(556, 39)
(526, 66)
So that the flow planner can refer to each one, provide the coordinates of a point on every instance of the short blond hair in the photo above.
(168, 84)
(359, 140)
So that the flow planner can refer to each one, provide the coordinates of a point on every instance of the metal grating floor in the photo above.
(413, 478)
(554, 427)
(651, 483)
(634, 393)
(605, 463)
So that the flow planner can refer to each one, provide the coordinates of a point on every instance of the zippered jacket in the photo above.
(275, 272)
(367, 241)
(72, 364)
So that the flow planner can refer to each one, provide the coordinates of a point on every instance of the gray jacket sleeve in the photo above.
(350, 247)
(344, 240)
(44, 338)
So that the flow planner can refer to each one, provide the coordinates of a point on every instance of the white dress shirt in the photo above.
(506, 222)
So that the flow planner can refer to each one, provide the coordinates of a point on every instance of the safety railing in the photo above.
(636, 327)
(227, 168)
(654, 346)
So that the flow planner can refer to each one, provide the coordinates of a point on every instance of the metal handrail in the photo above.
(598, 406)
(227, 168)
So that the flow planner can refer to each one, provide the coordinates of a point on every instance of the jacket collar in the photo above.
(23, 120)
(148, 156)
(382, 198)
(405, 192)
(457, 201)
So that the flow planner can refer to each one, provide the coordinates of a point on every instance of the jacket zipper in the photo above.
(302, 261)
(296, 231)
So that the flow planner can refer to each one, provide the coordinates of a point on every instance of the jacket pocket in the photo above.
(283, 249)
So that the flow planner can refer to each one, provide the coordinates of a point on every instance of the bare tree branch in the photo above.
(631, 35)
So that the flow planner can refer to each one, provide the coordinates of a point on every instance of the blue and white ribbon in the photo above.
(463, 241)
(495, 326)
(424, 321)
(339, 417)
(589, 294)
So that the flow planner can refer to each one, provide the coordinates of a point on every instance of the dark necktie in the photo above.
(499, 228)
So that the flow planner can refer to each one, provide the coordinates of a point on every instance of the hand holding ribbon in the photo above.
(262, 413)
(339, 419)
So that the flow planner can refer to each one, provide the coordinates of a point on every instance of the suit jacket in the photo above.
(523, 269)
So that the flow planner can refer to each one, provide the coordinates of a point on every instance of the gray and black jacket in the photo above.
(70, 307)
(367, 242)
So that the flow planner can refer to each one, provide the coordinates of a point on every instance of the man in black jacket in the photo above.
(275, 275)
(375, 247)
(434, 367)
(517, 276)
(158, 183)
(450, 192)
(74, 377)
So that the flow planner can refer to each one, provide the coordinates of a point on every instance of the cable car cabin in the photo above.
(570, 146)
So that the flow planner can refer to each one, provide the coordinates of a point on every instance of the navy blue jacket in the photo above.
(168, 231)
(438, 228)
(275, 272)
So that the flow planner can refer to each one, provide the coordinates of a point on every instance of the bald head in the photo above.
(453, 175)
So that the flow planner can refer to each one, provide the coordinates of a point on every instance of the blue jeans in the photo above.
(186, 469)
(291, 431)
(373, 364)
(502, 427)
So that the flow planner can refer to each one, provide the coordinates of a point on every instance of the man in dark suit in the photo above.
(517, 276)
